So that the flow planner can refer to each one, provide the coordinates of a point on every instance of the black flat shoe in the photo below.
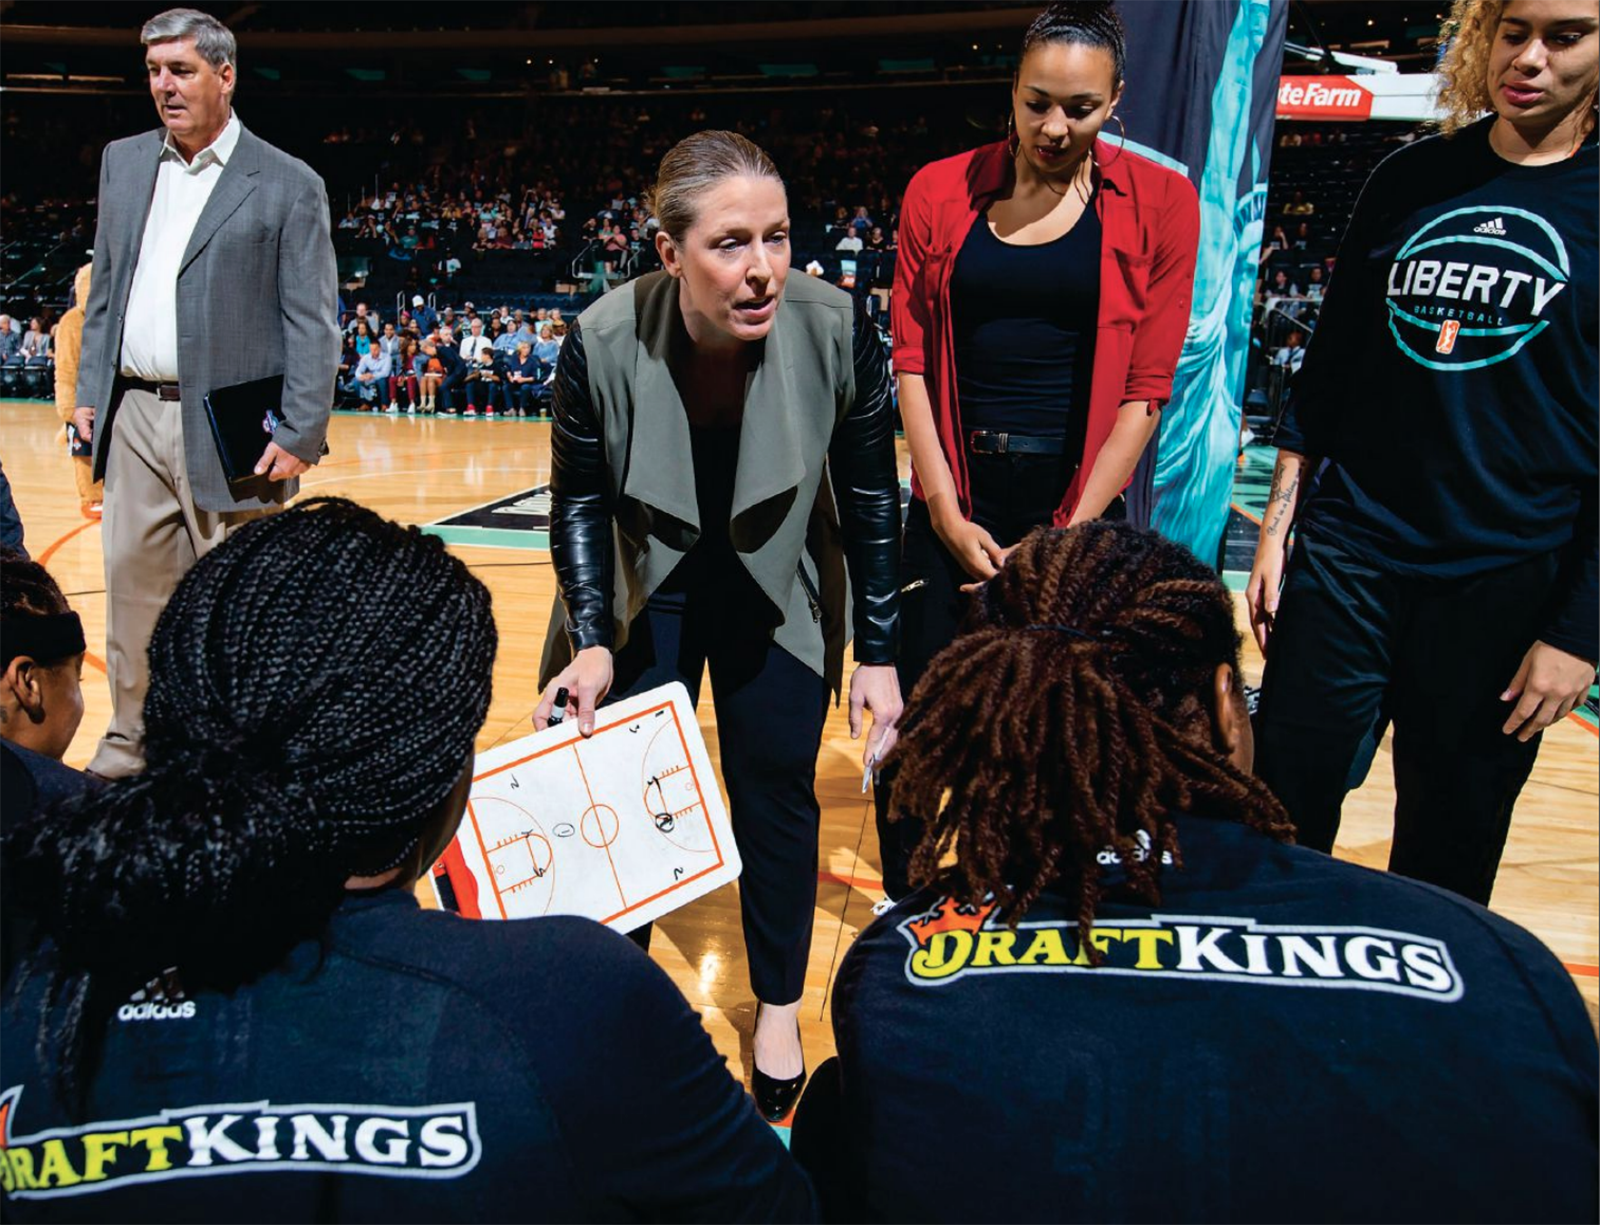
(774, 1098)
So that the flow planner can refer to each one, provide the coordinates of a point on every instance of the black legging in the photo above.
(770, 713)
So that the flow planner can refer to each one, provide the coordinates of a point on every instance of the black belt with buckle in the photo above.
(991, 442)
(161, 391)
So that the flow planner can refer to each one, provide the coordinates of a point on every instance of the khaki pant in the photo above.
(152, 533)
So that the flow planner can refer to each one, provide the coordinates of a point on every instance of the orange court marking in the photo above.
(478, 834)
(89, 657)
(594, 807)
(44, 558)
(865, 883)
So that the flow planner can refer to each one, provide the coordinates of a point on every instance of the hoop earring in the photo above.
(1013, 141)
(1122, 136)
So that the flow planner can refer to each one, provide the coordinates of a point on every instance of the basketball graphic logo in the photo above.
(1474, 286)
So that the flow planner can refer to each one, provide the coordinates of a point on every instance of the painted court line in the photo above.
(865, 883)
(44, 558)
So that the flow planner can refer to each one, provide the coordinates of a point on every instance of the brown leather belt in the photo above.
(161, 391)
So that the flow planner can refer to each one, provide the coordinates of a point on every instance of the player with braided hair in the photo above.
(235, 924)
(1083, 23)
(1123, 993)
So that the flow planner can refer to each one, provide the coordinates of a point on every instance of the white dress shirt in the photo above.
(150, 332)
(473, 346)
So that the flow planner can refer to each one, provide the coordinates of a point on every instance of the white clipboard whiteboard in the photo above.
(622, 827)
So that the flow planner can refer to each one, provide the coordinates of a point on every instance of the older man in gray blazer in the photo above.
(213, 265)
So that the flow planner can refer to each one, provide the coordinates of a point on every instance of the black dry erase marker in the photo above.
(560, 710)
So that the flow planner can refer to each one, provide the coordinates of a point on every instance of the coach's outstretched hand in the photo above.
(876, 687)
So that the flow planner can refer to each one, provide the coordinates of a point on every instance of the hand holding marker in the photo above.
(560, 710)
(868, 772)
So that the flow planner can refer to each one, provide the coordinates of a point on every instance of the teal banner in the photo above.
(1202, 87)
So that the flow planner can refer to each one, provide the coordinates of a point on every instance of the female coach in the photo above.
(725, 437)
(1040, 302)
(1444, 571)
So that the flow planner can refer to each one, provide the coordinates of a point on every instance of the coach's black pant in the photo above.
(770, 713)
(1353, 646)
(1011, 495)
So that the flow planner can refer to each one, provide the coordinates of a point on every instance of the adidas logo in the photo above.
(1497, 226)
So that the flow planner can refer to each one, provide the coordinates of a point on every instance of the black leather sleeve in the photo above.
(580, 502)
(866, 486)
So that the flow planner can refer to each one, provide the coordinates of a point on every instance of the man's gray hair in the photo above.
(213, 40)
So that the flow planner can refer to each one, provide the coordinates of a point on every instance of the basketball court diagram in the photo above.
(622, 827)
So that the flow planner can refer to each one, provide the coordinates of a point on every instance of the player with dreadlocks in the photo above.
(1123, 993)
(236, 925)
(1031, 355)
(1110, 714)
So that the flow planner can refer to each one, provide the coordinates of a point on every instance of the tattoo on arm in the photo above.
(1280, 501)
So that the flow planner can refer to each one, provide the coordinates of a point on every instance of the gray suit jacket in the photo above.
(257, 296)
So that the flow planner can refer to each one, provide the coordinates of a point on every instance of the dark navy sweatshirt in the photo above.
(1452, 378)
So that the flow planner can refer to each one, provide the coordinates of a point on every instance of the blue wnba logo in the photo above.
(1471, 287)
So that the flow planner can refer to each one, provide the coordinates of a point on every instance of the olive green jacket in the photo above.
(784, 525)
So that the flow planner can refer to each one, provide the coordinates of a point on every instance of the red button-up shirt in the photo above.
(1150, 227)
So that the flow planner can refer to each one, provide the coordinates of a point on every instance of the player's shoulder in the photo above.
(1428, 156)
(1162, 186)
(1481, 939)
(948, 177)
(465, 955)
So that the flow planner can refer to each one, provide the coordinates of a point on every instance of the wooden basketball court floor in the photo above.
(423, 470)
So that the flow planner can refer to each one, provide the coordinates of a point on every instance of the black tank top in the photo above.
(1024, 322)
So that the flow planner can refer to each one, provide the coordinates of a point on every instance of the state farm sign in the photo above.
(1322, 98)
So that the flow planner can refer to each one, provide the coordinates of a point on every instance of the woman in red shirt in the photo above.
(1040, 302)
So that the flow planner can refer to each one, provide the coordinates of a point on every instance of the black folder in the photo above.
(243, 419)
